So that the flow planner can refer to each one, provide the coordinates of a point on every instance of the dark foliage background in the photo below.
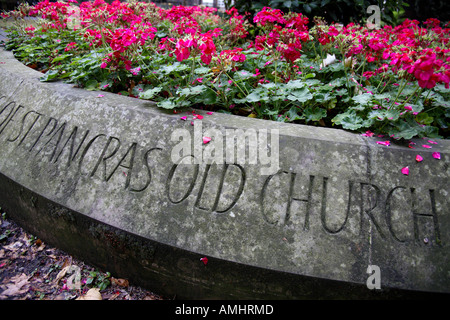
(346, 11)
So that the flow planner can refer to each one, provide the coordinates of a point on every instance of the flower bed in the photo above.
(388, 81)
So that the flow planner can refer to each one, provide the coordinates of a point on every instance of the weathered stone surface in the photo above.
(100, 171)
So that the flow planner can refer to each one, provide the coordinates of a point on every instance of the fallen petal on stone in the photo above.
(436, 155)
(384, 143)
(210, 113)
(419, 158)
(204, 260)
(432, 142)
(206, 140)
(183, 118)
(426, 146)
(405, 170)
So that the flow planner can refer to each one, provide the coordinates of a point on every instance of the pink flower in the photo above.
(409, 108)
(269, 15)
(419, 158)
(405, 170)
(135, 71)
(436, 155)
(206, 140)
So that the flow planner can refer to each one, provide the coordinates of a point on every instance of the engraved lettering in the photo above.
(219, 192)
(13, 105)
(131, 150)
(324, 206)
(202, 187)
(31, 127)
(308, 200)
(10, 139)
(171, 177)
(86, 149)
(149, 172)
(55, 123)
(369, 211)
(48, 143)
(389, 213)
(263, 194)
(3, 97)
(10, 116)
(72, 155)
(433, 215)
(103, 158)
(290, 198)
(238, 193)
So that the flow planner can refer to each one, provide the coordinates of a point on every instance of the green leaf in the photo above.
(202, 70)
(424, 118)
(171, 103)
(302, 95)
(167, 104)
(338, 82)
(335, 67)
(50, 75)
(405, 129)
(381, 115)
(242, 75)
(349, 120)
(362, 99)
(91, 85)
(307, 8)
(293, 115)
(192, 91)
(150, 93)
(314, 113)
(323, 97)
(253, 97)
(61, 57)
(176, 67)
(431, 132)
(295, 84)
(208, 98)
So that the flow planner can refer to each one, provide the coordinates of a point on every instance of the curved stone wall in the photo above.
(280, 210)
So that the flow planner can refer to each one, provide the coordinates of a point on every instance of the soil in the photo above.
(32, 270)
